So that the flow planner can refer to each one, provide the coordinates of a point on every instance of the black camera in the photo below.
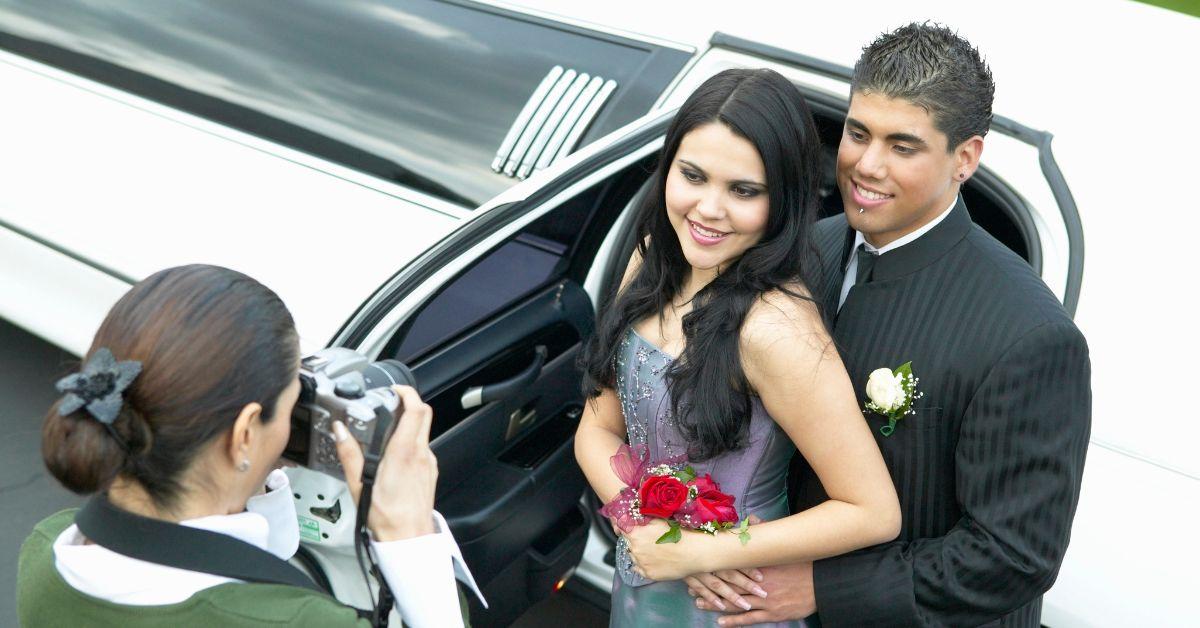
(339, 384)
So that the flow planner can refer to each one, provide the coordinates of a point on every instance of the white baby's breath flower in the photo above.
(661, 470)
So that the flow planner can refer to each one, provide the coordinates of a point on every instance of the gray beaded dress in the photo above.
(755, 475)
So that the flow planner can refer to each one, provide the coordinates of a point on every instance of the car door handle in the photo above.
(476, 396)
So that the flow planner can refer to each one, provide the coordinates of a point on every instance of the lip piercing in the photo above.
(861, 210)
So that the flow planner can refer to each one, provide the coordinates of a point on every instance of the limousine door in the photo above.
(492, 321)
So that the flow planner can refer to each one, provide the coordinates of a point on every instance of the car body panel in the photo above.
(1129, 560)
(417, 92)
(52, 294)
(136, 192)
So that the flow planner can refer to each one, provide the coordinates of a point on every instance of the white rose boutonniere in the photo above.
(891, 394)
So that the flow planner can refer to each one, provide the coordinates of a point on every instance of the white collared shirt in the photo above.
(861, 240)
(421, 570)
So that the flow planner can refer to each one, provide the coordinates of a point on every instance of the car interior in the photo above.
(494, 352)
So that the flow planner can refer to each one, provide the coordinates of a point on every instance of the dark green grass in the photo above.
(1187, 7)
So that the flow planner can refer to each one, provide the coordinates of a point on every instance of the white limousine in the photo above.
(448, 183)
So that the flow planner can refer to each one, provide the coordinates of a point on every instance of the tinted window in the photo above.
(503, 276)
(540, 254)
(417, 92)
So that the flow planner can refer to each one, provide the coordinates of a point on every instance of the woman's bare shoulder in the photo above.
(783, 325)
(786, 310)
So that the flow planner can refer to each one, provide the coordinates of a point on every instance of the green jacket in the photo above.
(45, 599)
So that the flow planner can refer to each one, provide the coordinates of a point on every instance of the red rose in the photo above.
(704, 484)
(713, 506)
(661, 496)
(710, 503)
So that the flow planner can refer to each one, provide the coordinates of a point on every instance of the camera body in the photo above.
(339, 384)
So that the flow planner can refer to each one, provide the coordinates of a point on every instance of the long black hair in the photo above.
(766, 109)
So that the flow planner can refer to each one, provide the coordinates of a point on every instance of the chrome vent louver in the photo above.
(552, 121)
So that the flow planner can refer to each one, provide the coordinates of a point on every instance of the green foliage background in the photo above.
(1189, 7)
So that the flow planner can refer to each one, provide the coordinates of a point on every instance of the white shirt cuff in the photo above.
(421, 572)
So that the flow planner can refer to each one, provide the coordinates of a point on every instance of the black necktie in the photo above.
(866, 263)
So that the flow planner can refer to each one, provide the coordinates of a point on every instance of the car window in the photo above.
(510, 272)
(558, 245)
(417, 92)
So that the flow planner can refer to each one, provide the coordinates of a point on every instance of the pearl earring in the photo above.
(244, 465)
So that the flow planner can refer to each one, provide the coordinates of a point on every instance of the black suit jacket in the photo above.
(988, 469)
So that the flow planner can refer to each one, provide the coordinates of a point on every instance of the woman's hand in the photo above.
(402, 499)
(666, 561)
(730, 584)
(792, 597)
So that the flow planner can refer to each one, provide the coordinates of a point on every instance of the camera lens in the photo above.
(387, 373)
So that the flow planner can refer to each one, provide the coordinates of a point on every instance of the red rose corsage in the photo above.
(669, 490)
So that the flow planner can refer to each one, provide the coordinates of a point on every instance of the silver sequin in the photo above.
(639, 371)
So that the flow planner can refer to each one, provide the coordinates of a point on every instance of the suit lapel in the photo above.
(833, 261)
(868, 311)
(892, 265)
(926, 249)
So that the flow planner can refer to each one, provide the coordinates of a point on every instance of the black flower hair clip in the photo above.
(98, 387)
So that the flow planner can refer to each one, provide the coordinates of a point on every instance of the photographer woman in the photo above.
(180, 414)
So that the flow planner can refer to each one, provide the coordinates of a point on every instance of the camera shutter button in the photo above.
(349, 390)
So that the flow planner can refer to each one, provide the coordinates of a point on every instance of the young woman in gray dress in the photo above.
(713, 349)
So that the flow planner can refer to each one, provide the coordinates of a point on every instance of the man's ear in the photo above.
(241, 437)
(967, 157)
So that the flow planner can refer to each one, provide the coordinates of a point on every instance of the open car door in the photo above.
(491, 321)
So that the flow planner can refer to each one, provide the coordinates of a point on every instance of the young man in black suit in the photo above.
(988, 465)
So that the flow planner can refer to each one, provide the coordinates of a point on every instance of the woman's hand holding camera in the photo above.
(402, 499)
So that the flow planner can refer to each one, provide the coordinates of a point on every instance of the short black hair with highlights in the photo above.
(934, 68)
